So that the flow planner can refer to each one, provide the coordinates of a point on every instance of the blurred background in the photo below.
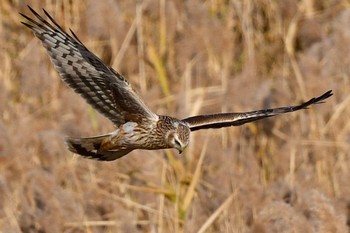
(285, 174)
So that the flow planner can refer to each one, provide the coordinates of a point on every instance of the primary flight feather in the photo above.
(137, 127)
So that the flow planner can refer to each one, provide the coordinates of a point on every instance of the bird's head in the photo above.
(179, 137)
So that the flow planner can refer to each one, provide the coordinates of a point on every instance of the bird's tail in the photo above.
(91, 148)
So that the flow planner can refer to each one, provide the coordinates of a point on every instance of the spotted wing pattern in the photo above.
(235, 119)
(101, 86)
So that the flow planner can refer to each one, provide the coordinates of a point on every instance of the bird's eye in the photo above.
(177, 143)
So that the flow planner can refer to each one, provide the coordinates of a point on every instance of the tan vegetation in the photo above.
(286, 174)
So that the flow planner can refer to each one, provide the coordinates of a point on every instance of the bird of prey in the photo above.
(137, 127)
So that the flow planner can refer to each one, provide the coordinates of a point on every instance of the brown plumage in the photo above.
(137, 127)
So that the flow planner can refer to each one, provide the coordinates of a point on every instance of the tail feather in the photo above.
(91, 148)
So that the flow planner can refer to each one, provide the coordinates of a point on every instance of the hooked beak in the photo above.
(181, 149)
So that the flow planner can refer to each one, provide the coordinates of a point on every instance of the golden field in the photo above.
(288, 173)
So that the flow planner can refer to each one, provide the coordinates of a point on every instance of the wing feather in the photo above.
(235, 119)
(85, 73)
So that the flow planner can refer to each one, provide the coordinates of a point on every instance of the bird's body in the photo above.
(132, 135)
(137, 127)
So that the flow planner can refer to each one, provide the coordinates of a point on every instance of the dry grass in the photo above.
(286, 174)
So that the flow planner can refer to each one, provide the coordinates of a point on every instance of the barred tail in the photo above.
(91, 148)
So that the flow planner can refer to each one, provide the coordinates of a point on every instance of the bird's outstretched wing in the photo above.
(101, 86)
(234, 119)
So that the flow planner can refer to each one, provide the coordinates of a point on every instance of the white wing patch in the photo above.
(129, 127)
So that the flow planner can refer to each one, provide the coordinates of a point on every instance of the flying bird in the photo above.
(137, 127)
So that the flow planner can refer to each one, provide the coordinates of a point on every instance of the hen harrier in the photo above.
(137, 127)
